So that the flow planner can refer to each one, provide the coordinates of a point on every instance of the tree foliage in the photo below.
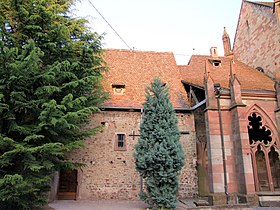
(50, 73)
(158, 154)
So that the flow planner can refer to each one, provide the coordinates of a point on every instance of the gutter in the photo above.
(139, 109)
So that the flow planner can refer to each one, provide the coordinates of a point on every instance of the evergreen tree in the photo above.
(158, 154)
(50, 73)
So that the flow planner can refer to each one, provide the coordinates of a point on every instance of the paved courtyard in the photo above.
(103, 205)
(126, 205)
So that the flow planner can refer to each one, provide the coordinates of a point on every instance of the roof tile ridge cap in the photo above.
(139, 51)
(116, 49)
(261, 3)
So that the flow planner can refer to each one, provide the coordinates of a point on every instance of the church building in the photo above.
(229, 118)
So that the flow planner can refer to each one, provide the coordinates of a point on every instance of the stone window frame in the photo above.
(117, 141)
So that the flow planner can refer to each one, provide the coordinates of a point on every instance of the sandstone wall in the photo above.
(257, 38)
(239, 167)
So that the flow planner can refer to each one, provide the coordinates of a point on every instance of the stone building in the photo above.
(249, 114)
(228, 117)
(257, 35)
(110, 169)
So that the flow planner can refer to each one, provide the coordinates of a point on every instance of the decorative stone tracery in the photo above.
(264, 145)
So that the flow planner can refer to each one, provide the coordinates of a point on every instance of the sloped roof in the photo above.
(262, 3)
(136, 70)
(250, 78)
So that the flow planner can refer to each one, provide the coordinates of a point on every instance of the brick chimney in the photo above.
(226, 42)
(214, 52)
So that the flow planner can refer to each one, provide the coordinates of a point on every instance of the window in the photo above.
(265, 155)
(260, 69)
(120, 142)
(118, 89)
(215, 62)
(256, 131)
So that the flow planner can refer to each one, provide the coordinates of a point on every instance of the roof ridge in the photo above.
(262, 3)
(209, 56)
(135, 50)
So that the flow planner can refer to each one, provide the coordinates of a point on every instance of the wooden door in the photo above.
(67, 185)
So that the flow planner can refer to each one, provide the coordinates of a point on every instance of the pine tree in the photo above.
(158, 154)
(50, 71)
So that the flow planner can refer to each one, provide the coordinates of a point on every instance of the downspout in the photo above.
(141, 178)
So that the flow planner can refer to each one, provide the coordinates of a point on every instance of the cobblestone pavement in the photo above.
(97, 205)
(124, 205)
(104, 205)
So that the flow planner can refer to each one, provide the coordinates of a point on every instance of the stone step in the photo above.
(269, 200)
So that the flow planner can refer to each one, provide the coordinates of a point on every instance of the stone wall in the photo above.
(110, 174)
(257, 37)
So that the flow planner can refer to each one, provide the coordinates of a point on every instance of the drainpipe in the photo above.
(217, 89)
(141, 178)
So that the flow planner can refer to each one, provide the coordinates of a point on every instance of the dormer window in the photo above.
(260, 69)
(215, 62)
(118, 89)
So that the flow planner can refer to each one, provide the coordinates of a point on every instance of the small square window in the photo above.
(118, 89)
(120, 142)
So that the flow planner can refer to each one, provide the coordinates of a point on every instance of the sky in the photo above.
(184, 27)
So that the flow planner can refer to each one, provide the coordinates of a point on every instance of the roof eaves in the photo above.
(118, 108)
(192, 84)
(138, 109)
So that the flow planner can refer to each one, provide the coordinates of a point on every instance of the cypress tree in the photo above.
(50, 72)
(158, 154)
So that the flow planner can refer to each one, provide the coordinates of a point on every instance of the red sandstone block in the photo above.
(218, 168)
(249, 177)
(232, 187)
(250, 188)
(218, 178)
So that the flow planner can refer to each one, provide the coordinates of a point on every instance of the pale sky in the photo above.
(177, 26)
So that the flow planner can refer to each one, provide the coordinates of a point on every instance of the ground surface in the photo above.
(103, 205)
(122, 205)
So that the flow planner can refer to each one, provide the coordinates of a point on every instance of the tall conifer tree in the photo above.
(158, 154)
(50, 73)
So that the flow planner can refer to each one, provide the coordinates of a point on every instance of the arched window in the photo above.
(256, 131)
(265, 156)
(275, 168)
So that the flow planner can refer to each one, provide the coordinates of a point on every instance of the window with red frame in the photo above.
(120, 142)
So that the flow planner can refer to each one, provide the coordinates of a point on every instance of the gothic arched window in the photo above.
(256, 131)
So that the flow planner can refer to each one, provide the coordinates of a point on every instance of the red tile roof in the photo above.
(136, 70)
(250, 78)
